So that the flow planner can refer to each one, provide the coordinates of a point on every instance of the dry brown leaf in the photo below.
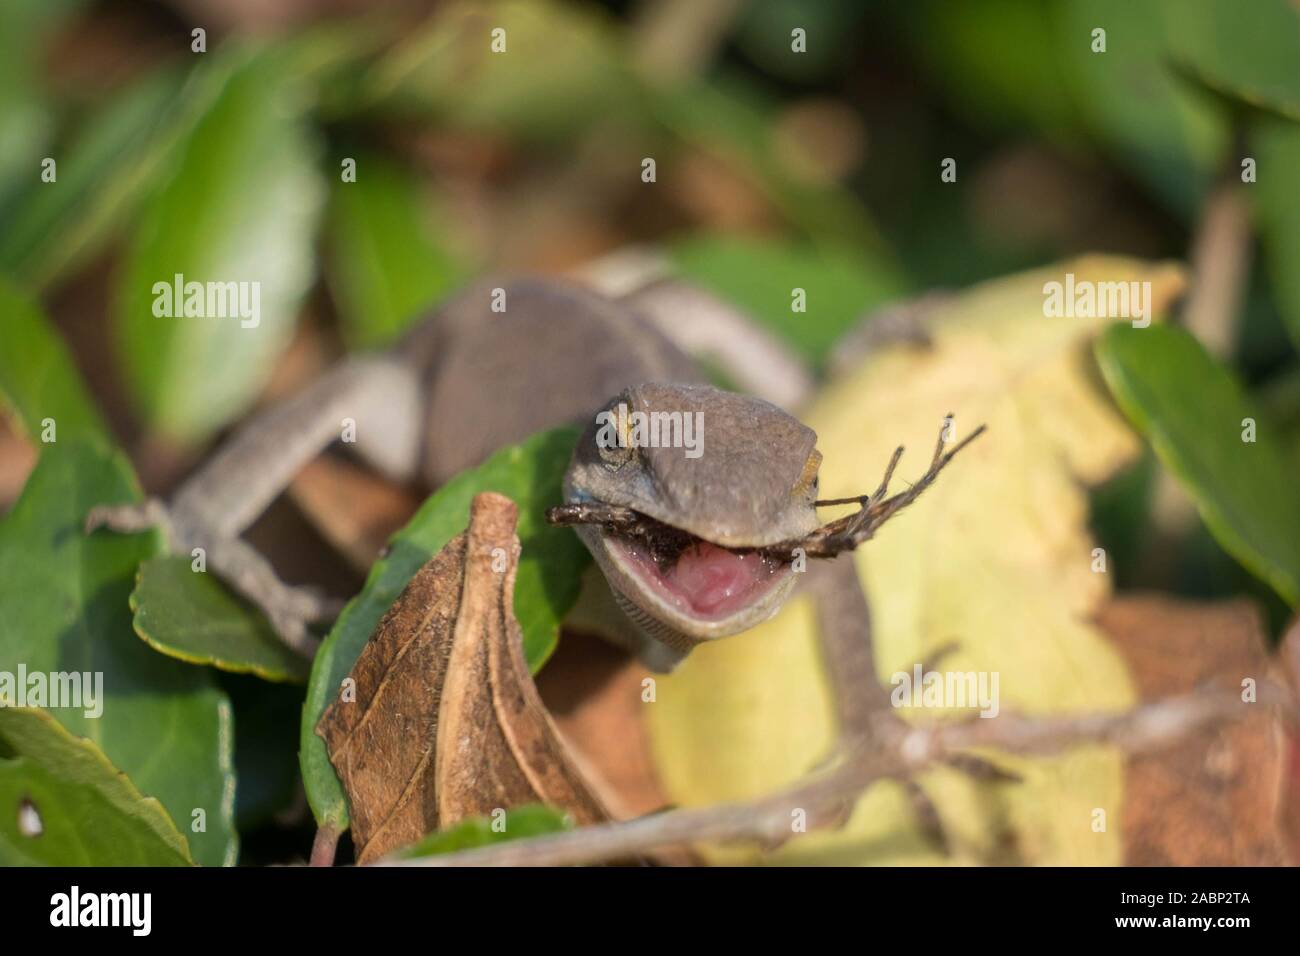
(381, 741)
(446, 722)
(1213, 799)
(496, 745)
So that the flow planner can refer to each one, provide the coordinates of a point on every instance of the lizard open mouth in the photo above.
(698, 578)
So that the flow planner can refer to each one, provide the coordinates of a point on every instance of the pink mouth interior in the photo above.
(707, 581)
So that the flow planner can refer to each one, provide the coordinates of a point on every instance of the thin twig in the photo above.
(325, 845)
(900, 753)
(1220, 263)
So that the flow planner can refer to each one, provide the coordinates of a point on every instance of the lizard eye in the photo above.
(809, 479)
(613, 442)
(615, 456)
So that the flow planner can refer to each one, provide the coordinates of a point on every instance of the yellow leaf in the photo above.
(996, 557)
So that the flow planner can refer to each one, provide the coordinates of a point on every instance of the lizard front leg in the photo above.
(379, 394)
(238, 483)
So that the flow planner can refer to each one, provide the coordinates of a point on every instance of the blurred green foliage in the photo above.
(37, 378)
(839, 284)
(388, 264)
(1210, 435)
(241, 198)
(776, 171)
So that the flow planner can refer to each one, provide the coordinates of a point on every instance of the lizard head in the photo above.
(715, 474)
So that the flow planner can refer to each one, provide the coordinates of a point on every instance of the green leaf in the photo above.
(89, 812)
(1032, 63)
(998, 61)
(1250, 55)
(562, 69)
(728, 120)
(386, 266)
(552, 560)
(1193, 411)
(191, 616)
(37, 376)
(1154, 121)
(65, 599)
(759, 276)
(762, 31)
(530, 820)
(25, 121)
(101, 181)
(1277, 213)
(240, 206)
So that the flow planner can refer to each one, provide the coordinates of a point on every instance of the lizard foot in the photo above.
(291, 610)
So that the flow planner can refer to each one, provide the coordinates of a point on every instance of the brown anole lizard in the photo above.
(493, 365)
